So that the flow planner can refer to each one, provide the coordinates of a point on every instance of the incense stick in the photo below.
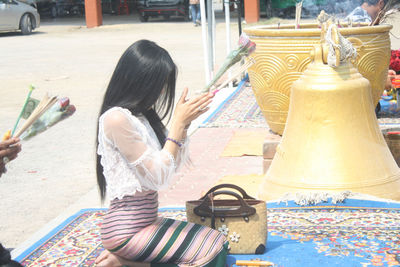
(253, 263)
(298, 15)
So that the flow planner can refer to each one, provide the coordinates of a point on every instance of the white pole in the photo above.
(210, 36)
(227, 26)
(228, 33)
(205, 43)
(213, 32)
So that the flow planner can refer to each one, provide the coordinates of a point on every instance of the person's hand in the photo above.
(9, 150)
(187, 110)
(390, 77)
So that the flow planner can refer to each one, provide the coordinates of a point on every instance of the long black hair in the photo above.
(5, 258)
(144, 83)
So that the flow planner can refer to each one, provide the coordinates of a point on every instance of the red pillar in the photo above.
(93, 14)
(252, 11)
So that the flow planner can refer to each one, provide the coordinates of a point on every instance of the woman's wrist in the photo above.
(177, 133)
(177, 130)
(176, 142)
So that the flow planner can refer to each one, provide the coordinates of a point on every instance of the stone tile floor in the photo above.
(206, 146)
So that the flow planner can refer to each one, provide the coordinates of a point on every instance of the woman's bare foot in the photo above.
(108, 259)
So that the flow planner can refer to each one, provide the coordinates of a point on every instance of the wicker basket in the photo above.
(243, 220)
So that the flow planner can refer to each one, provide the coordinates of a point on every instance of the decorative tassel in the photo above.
(313, 198)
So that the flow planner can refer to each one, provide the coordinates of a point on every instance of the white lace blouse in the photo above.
(131, 155)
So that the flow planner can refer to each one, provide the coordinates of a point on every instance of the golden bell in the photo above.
(332, 141)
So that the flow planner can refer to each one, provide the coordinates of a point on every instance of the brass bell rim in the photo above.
(311, 30)
(346, 186)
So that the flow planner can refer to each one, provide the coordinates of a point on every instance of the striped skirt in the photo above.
(132, 230)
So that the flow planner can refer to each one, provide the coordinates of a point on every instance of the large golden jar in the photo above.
(283, 53)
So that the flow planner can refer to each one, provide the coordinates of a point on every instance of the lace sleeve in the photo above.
(183, 157)
(151, 166)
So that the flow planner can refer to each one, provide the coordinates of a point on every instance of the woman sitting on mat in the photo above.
(137, 157)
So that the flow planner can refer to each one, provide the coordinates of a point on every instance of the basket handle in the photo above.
(204, 210)
(232, 186)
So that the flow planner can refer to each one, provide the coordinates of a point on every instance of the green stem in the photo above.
(31, 87)
(234, 57)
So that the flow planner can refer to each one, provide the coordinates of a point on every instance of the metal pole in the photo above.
(228, 28)
(239, 3)
(228, 33)
(213, 32)
(210, 36)
(204, 38)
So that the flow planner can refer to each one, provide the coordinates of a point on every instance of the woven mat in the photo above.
(354, 233)
(239, 110)
(76, 242)
(389, 123)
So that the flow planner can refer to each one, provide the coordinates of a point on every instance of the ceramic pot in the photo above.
(283, 53)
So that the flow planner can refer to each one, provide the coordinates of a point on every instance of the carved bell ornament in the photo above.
(332, 142)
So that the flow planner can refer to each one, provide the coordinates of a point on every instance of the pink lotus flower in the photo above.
(246, 47)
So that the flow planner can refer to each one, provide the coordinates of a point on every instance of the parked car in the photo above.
(165, 8)
(44, 7)
(47, 8)
(71, 7)
(15, 15)
(55, 8)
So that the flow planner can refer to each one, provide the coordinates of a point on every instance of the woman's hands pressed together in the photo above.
(186, 111)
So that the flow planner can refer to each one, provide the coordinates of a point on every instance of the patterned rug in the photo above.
(239, 110)
(389, 123)
(76, 242)
(356, 233)
(353, 233)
